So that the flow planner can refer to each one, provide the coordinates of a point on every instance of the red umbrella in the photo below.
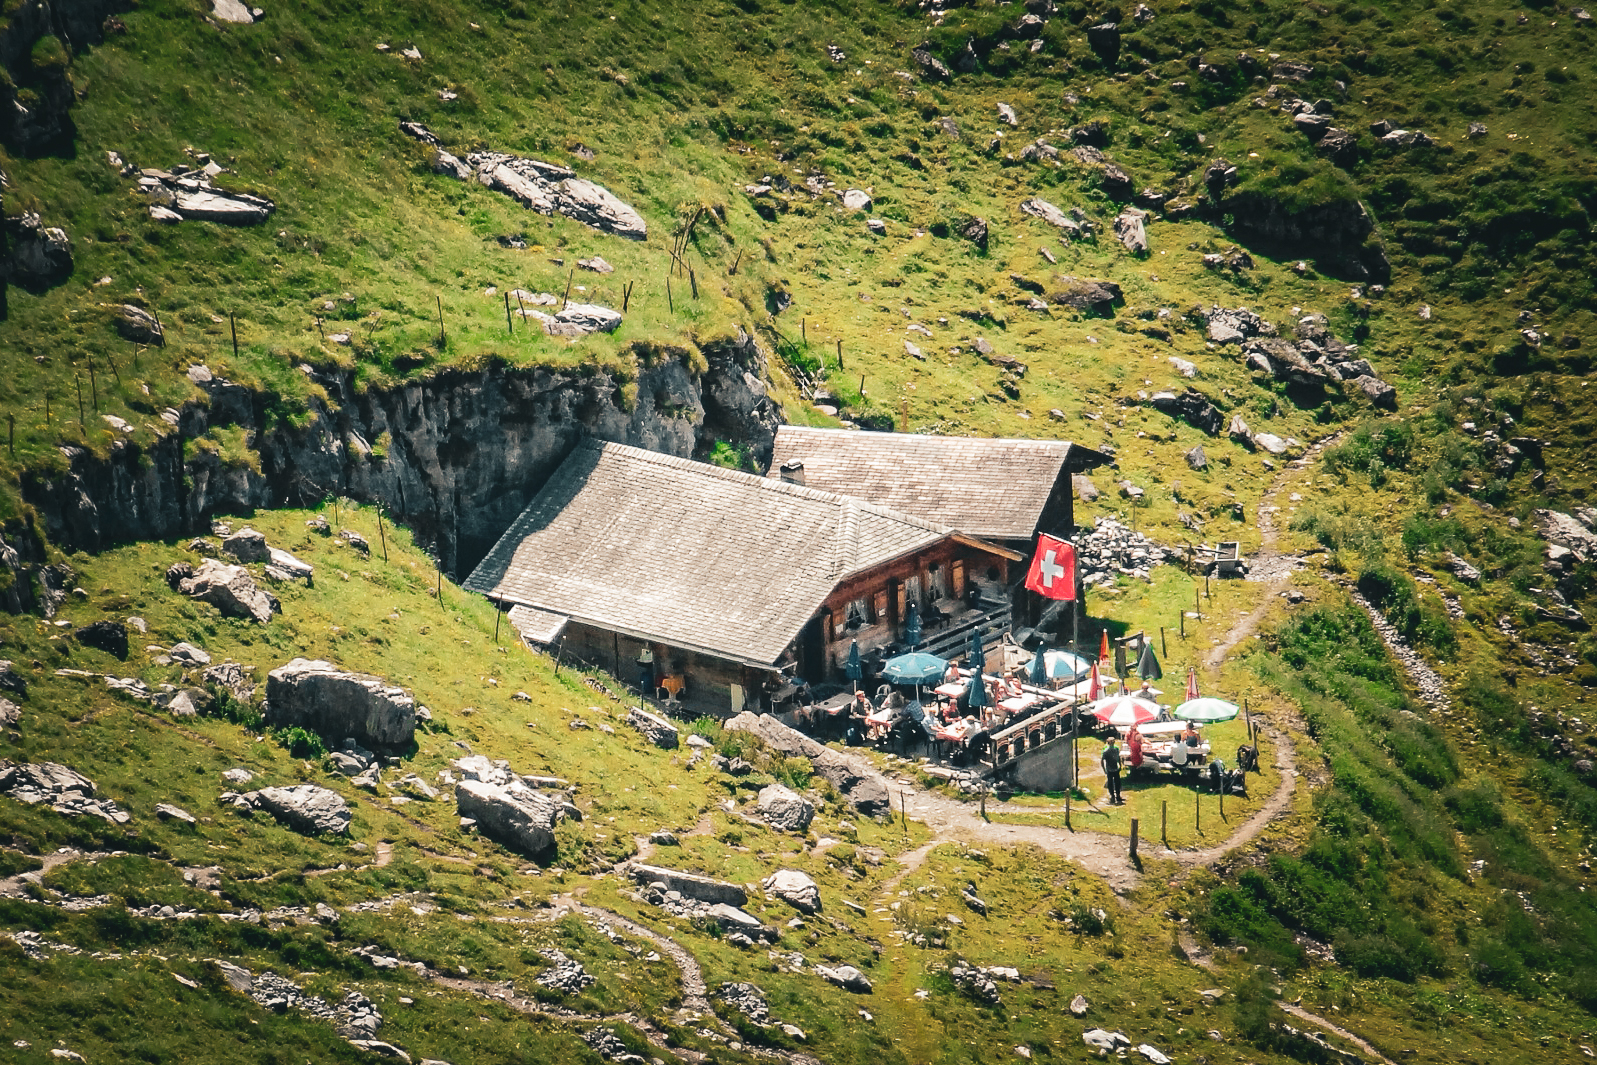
(1095, 692)
(1123, 710)
(1103, 648)
(1192, 683)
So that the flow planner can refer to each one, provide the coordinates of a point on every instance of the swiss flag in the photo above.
(1053, 570)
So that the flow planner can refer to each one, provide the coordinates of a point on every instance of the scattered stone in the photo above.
(1112, 550)
(664, 838)
(566, 974)
(930, 65)
(167, 812)
(1152, 1054)
(138, 325)
(1183, 367)
(1078, 1006)
(877, 226)
(238, 775)
(285, 567)
(10, 713)
(974, 982)
(1191, 406)
(1007, 116)
(657, 730)
(784, 809)
(1197, 459)
(66, 791)
(228, 588)
(544, 187)
(794, 888)
(975, 231)
(597, 265)
(1104, 40)
(233, 678)
(856, 200)
(318, 695)
(189, 655)
(577, 320)
(304, 808)
(1099, 1039)
(1130, 229)
(747, 1000)
(192, 196)
(40, 256)
(845, 976)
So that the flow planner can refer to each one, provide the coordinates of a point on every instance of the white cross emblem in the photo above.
(1050, 569)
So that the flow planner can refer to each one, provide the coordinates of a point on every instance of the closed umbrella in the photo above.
(1148, 665)
(1095, 692)
(976, 654)
(912, 628)
(853, 668)
(1124, 710)
(1103, 649)
(1192, 682)
(976, 658)
(1039, 669)
(1207, 708)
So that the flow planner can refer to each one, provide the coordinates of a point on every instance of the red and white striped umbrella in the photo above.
(1124, 710)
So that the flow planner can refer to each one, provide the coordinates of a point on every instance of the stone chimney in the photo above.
(793, 472)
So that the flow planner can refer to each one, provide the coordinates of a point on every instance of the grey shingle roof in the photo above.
(993, 488)
(687, 553)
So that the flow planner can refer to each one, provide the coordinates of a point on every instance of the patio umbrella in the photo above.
(1148, 665)
(1192, 682)
(1039, 669)
(853, 668)
(916, 667)
(1064, 665)
(1123, 710)
(976, 654)
(1096, 691)
(1103, 649)
(912, 628)
(1207, 709)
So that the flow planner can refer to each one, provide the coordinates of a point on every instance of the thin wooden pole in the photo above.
(441, 337)
(1162, 645)
(82, 420)
(380, 534)
(1183, 624)
(694, 281)
(232, 323)
(1133, 839)
(160, 330)
(509, 326)
(440, 561)
(626, 297)
(736, 261)
(11, 434)
(671, 303)
(47, 410)
(498, 611)
(1164, 821)
(1222, 798)
(94, 386)
(1197, 810)
(111, 361)
(862, 384)
(804, 330)
(566, 299)
(840, 354)
(319, 331)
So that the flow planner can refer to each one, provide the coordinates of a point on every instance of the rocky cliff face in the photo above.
(455, 457)
(36, 95)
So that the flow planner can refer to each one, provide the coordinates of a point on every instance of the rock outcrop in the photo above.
(543, 187)
(657, 730)
(231, 590)
(191, 195)
(863, 789)
(305, 808)
(40, 256)
(796, 889)
(67, 792)
(319, 696)
(470, 447)
(515, 815)
(691, 885)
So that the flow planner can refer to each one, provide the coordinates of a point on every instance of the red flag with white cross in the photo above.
(1053, 569)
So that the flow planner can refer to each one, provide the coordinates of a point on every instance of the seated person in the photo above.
(1178, 755)
(952, 676)
(1191, 737)
(1134, 747)
(1146, 691)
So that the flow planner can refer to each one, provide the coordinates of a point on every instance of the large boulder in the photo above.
(691, 885)
(108, 636)
(339, 704)
(10, 713)
(247, 545)
(231, 590)
(845, 976)
(66, 791)
(515, 815)
(657, 730)
(1191, 406)
(302, 807)
(41, 255)
(1132, 231)
(784, 809)
(796, 889)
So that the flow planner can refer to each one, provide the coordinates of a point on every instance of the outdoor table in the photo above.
(951, 691)
(1017, 703)
(959, 731)
(1161, 753)
(1157, 728)
(836, 704)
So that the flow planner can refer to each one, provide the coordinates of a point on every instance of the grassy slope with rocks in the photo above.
(682, 106)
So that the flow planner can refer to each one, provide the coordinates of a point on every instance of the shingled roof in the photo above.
(992, 488)
(689, 554)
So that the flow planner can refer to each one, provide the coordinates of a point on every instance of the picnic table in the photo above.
(959, 731)
(952, 690)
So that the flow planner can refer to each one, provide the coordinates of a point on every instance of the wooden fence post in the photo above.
(1164, 821)
(694, 281)
(82, 420)
(509, 326)
(566, 299)
(380, 534)
(840, 354)
(441, 337)
(1133, 839)
(671, 303)
(1197, 810)
(11, 434)
(232, 324)
(1162, 645)
(94, 386)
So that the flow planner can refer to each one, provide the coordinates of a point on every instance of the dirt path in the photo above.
(12, 886)
(1269, 567)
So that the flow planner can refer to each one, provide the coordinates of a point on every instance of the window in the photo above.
(856, 616)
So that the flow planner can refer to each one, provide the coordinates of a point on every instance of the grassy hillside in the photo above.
(1366, 900)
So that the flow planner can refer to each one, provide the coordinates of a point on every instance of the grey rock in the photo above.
(1192, 406)
(1086, 491)
(794, 888)
(703, 888)
(231, 11)
(189, 655)
(596, 265)
(41, 256)
(975, 231)
(1006, 115)
(930, 65)
(578, 320)
(664, 838)
(845, 976)
(746, 999)
(1197, 459)
(318, 695)
(974, 982)
(545, 187)
(1104, 39)
(1271, 443)
(137, 324)
(232, 678)
(10, 713)
(304, 808)
(1102, 1040)
(1238, 432)
(1130, 229)
(285, 567)
(1087, 295)
(231, 590)
(167, 812)
(784, 809)
(1377, 391)
(247, 545)
(566, 974)
(380, 1049)
(237, 977)
(1312, 125)
(517, 816)
(856, 200)
(657, 730)
(1079, 1006)
(238, 775)
(64, 790)
(1041, 209)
